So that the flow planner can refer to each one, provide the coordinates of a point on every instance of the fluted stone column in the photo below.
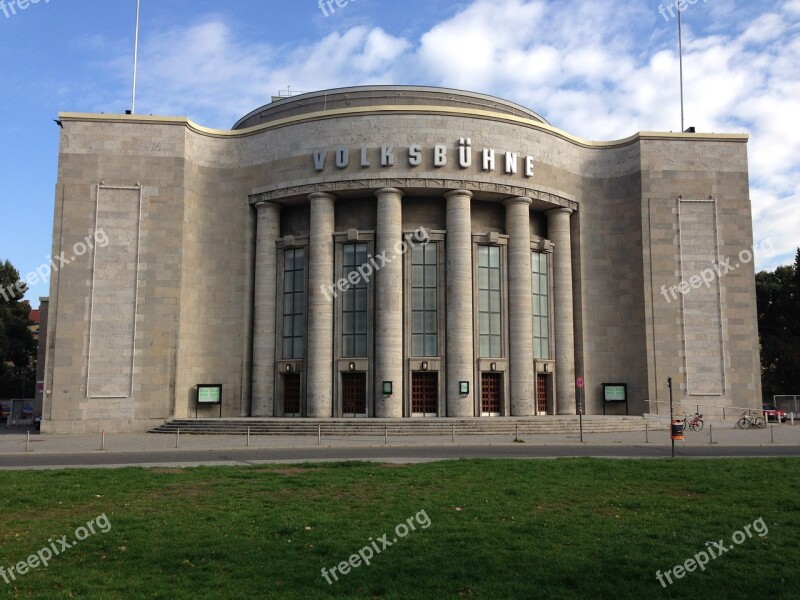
(520, 307)
(460, 353)
(559, 233)
(266, 265)
(319, 374)
(389, 305)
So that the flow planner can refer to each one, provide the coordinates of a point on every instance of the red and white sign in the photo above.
(579, 382)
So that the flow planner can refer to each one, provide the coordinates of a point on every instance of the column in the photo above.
(389, 305)
(520, 307)
(266, 265)
(460, 351)
(319, 374)
(558, 232)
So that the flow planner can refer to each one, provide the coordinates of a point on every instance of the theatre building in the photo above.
(394, 251)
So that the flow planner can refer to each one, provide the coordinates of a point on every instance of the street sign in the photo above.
(580, 382)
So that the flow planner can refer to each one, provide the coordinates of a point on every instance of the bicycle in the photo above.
(747, 421)
(694, 423)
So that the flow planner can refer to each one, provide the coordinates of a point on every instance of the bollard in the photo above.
(772, 434)
(580, 416)
(319, 435)
(646, 438)
(386, 434)
(453, 434)
(28, 442)
(248, 437)
(723, 413)
(516, 432)
(103, 441)
(710, 433)
(178, 438)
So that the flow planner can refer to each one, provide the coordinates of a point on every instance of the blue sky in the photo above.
(598, 69)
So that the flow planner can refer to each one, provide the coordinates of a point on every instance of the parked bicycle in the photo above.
(694, 423)
(747, 421)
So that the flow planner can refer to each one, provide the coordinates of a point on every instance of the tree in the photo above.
(17, 345)
(778, 300)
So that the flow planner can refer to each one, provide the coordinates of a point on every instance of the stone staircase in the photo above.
(501, 426)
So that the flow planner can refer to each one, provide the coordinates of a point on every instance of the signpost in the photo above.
(580, 383)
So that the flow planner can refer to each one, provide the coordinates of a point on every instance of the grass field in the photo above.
(499, 529)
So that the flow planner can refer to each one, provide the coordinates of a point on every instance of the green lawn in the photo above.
(493, 529)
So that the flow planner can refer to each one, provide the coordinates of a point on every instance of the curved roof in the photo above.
(381, 95)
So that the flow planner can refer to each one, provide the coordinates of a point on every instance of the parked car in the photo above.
(772, 413)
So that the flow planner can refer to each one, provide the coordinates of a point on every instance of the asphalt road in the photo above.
(399, 454)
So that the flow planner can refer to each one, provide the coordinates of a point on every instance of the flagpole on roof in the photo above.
(135, 59)
(680, 60)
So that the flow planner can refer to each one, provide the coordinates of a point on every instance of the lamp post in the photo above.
(672, 437)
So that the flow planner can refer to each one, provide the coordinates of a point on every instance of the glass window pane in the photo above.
(417, 299)
(287, 348)
(494, 256)
(494, 325)
(495, 346)
(361, 345)
(417, 321)
(483, 279)
(484, 345)
(417, 276)
(483, 324)
(361, 322)
(430, 253)
(483, 301)
(349, 254)
(494, 279)
(535, 284)
(298, 325)
(361, 254)
(417, 345)
(287, 325)
(494, 301)
(361, 299)
(431, 348)
(543, 305)
(430, 299)
(298, 347)
(348, 323)
(348, 301)
(430, 276)
(299, 303)
(430, 322)
(417, 255)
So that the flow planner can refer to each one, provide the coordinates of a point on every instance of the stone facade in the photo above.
(548, 257)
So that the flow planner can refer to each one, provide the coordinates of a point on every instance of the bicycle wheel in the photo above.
(743, 423)
(760, 422)
(698, 425)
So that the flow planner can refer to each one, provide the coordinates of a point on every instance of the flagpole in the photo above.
(680, 59)
(135, 59)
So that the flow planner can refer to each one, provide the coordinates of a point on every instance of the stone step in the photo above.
(407, 427)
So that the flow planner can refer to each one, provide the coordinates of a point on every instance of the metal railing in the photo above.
(726, 412)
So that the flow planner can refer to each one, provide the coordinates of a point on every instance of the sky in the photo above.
(598, 69)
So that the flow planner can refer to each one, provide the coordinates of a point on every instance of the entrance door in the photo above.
(541, 394)
(424, 393)
(291, 395)
(354, 394)
(491, 393)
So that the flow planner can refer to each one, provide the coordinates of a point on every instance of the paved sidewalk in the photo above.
(723, 433)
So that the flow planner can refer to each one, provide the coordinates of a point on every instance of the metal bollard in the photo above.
(710, 433)
(453, 434)
(177, 438)
(646, 436)
(28, 442)
(386, 434)
(103, 441)
(772, 434)
(319, 435)
(248, 437)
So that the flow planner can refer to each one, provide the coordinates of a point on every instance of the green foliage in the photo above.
(778, 299)
(17, 345)
(499, 529)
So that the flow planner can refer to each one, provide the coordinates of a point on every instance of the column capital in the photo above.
(517, 200)
(389, 190)
(322, 196)
(561, 210)
(453, 193)
(262, 204)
